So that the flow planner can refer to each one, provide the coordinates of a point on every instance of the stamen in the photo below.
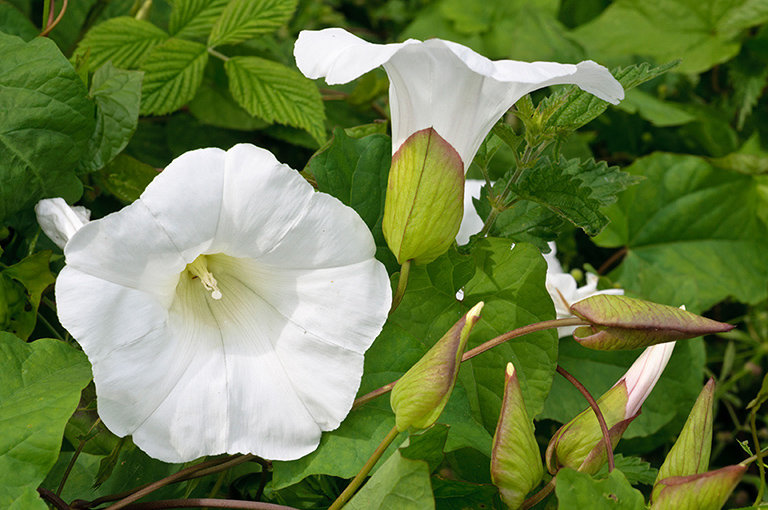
(199, 268)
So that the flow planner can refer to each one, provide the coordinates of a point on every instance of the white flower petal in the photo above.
(644, 373)
(59, 221)
(471, 223)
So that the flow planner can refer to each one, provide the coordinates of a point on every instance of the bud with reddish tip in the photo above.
(620, 322)
(419, 397)
(425, 198)
(690, 453)
(579, 443)
(705, 491)
(515, 459)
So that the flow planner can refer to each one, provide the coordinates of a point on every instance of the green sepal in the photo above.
(705, 491)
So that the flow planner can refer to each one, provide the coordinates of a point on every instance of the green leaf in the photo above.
(658, 112)
(117, 95)
(599, 371)
(399, 483)
(14, 22)
(276, 93)
(47, 122)
(577, 491)
(355, 171)
(702, 34)
(456, 495)
(173, 72)
(528, 222)
(40, 385)
(634, 468)
(21, 286)
(691, 232)
(126, 177)
(194, 19)
(426, 445)
(124, 41)
(245, 19)
(215, 106)
(570, 108)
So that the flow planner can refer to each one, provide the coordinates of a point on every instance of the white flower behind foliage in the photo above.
(227, 310)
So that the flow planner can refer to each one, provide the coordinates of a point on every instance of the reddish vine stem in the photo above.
(543, 493)
(612, 260)
(206, 502)
(53, 499)
(52, 24)
(598, 414)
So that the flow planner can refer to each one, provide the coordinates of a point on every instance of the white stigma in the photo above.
(199, 268)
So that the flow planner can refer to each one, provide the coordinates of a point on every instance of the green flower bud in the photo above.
(690, 454)
(620, 322)
(425, 198)
(515, 459)
(705, 491)
(420, 395)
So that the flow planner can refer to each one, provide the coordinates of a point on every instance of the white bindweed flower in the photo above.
(59, 221)
(643, 375)
(441, 84)
(562, 286)
(227, 310)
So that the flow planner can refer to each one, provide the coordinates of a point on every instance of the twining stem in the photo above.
(402, 283)
(531, 328)
(598, 414)
(543, 493)
(758, 455)
(207, 502)
(358, 480)
(52, 24)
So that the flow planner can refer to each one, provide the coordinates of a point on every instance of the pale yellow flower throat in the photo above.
(199, 268)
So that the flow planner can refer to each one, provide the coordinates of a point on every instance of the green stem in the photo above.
(758, 455)
(402, 283)
(543, 493)
(218, 55)
(207, 502)
(531, 328)
(358, 480)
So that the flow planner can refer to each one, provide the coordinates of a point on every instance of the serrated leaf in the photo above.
(21, 286)
(528, 222)
(172, 74)
(634, 468)
(46, 122)
(399, 483)
(577, 491)
(572, 107)
(124, 41)
(117, 95)
(194, 19)
(245, 19)
(276, 93)
(692, 234)
(126, 177)
(40, 385)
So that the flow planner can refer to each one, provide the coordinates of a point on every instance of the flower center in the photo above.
(199, 269)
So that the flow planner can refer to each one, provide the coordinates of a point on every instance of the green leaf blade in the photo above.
(193, 19)
(124, 41)
(244, 19)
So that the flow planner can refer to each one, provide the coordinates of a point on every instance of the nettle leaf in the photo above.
(245, 19)
(21, 287)
(47, 122)
(702, 34)
(276, 93)
(124, 41)
(576, 491)
(355, 171)
(399, 483)
(571, 107)
(527, 222)
(172, 74)
(40, 385)
(194, 19)
(126, 177)
(117, 95)
(692, 234)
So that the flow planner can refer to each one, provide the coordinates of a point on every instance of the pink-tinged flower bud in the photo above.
(425, 198)
(420, 395)
(579, 443)
(620, 322)
(705, 491)
(515, 459)
(690, 454)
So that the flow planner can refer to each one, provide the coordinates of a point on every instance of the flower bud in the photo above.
(59, 221)
(420, 395)
(620, 322)
(425, 198)
(579, 443)
(515, 459)
(690, 453)
(705, 491)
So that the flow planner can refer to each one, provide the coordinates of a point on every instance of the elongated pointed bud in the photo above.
(516, 466)
(690, 453)
(705, 491)
(425, 198)
(620, 322)
(420, 395)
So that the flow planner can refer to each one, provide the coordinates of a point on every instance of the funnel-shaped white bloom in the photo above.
(644, 373)
(226, 310)
(442, 84)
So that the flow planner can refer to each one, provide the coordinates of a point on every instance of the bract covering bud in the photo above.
(705, 491)
(420, 395)
(425, 198)
(516, 466)
(620, 322)
(690, 453)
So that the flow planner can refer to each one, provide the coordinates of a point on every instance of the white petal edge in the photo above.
(59, 221)
(644, 373)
